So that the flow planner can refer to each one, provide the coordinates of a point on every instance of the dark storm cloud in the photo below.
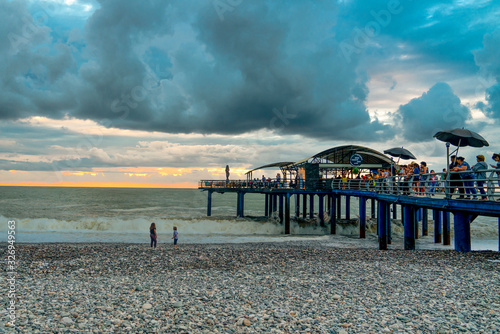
(273, 65)
(487, 58)
(438, 109)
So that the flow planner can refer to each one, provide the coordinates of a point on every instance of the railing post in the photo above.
(446, 228)
(437, 226)
(209, 204)
(382, 225)
(462, 231)
(362, 217)
(409, 228)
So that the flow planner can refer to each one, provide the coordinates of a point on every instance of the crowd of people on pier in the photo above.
(411, 179)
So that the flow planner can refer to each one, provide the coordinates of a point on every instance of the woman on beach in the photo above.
(152, 234)
(175, 237)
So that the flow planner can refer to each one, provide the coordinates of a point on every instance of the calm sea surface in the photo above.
(49, 214)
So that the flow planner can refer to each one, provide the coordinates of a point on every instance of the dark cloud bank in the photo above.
(182, 67)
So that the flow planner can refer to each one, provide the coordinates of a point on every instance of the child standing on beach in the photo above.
(153, 235)
(175, 237)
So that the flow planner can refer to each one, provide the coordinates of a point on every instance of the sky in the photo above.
(167, 93)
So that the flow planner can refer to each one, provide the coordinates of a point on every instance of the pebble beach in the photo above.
(289, 287)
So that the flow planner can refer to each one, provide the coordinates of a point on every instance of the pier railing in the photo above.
(453, 185)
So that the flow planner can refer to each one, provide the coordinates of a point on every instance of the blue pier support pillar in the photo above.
(333, 221)
(270, 210)
(409, 225)
(281, 208)
(266, 205)
(362, 217)
(304, 206)
(373, 207)
(339, 207)
(311, 206)
(348, 207)
(437, 226)
(297, 205)
(275, 202)
(402, 215)
(329, 203)
(461, 225)
(287, 213)
(240, 205)
(446, 229)
(425, 222)
(394, 211)
(382, 225)
(320, 210)
(209, 204)
(416, 213)
(388, 221)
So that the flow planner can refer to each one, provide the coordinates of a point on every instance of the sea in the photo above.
(124, 215)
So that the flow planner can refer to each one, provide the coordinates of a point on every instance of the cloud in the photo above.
(437, 109)
(157, 66)
(487, 59)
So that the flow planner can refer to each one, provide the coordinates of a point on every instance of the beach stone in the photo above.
(147, 306)
(178, 304)
(336, 297)
(67, 321)
(246, 322)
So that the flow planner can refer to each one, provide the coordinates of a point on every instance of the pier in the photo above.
(328, 179)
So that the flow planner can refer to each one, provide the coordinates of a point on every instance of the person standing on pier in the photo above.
(423, 178)
(480, 170)
(496, 157)
(455, 179)
(467, 177)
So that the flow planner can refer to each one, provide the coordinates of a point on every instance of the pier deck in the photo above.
(384, 194)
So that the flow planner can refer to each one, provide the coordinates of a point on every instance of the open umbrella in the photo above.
(460, 138)
(401, 153)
